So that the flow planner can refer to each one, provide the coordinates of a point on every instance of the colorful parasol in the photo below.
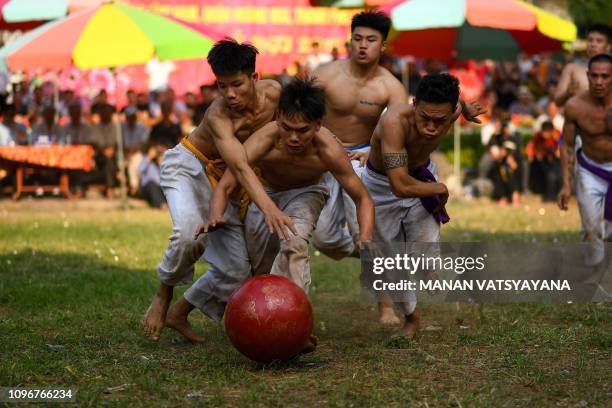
(108, 35)
(477, 29)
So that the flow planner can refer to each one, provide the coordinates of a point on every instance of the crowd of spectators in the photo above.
(150, 123)
(521, 132)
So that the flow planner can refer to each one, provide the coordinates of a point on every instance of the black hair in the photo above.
(228, 57)
(374, 19)
(547, 125)
(600, 58)
(438, 88)
(302, 97)
(603, 29)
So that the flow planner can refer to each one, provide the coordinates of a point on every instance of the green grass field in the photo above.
(74, 284)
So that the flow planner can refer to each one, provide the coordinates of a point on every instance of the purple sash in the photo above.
(599, 172)
(430, 203)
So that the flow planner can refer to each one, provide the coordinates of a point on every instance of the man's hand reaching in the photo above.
(278, 222)
(471, 111)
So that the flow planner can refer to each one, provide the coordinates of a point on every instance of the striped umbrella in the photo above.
(477, 29)
(27, 14)
(108, 35)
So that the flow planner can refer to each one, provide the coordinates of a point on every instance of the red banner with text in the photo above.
(282, 30)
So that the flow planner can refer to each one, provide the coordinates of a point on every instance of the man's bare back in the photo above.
(355, 104)
(244, 123)
(591, 118)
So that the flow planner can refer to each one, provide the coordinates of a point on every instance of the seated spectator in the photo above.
(544, 162)
(104, 136)
(142, 103)
(148, 172)
(34, 104)
(76, 131)
(155, 101)
(550, 114)
(135, 135)
(131, 98)
(16, 131)
(506, 173)
(66, 99)
(207, 95)
(166, 132)
(524, 105)
(551, 89)
(47, 131)
(100, 100)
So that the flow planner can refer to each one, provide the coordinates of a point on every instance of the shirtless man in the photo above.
(401, 178)
(293, 153)
(591, 112)
(190, 172)
(357, 90)
(573, 77)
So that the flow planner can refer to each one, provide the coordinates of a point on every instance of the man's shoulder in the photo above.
(329, 70)
(270, 129)
(325, 136)
(328, 145)
(270, 87)
(399, 111)
(386, 75)
(577, 102)
(575, 67)
(217, 109)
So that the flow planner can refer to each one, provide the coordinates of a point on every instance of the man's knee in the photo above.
(295, 246)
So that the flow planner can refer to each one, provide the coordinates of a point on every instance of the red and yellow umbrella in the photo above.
(107, 35)
(478, 29)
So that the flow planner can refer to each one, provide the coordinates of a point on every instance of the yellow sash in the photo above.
(214, 172)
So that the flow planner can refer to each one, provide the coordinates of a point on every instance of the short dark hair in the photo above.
(547, 125)
(302, 97)
(438, 88)
(600, 58)
(603, 29)
(374, 19)
(229, 57)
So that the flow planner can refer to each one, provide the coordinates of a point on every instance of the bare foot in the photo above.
(386, 315)
(411, 326)
(155, 317)
(311, 346)
(177, 319)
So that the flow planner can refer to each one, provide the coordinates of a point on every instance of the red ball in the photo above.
(269, 318)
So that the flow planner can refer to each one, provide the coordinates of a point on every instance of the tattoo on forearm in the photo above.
(394, 160)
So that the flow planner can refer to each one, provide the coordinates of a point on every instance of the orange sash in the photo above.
(214, 171)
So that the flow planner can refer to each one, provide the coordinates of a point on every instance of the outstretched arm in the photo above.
(232, 151)
(471, 111)
(334, 158)
(218, 203)
(568, 154)
(564, 91)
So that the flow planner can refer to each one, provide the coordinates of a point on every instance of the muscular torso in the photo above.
(281, 170)
(417, 147)
(354, 105)
(244, 123)
(594, 130)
